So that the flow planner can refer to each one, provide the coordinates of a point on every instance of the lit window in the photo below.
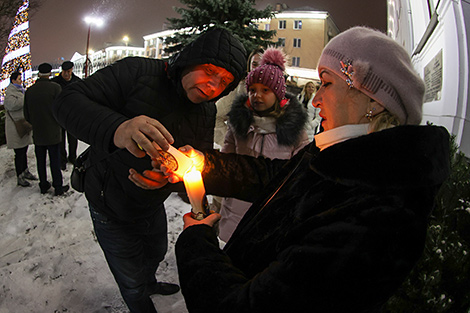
(297, 42)
(298, 24)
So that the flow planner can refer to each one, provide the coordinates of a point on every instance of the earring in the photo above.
(368, 115)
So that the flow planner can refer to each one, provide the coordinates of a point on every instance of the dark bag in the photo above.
(23, 127)
(82, 163)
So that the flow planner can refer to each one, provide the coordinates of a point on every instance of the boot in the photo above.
(28, 175)
(22, 181)
(44, 187)
(60, 190)
(162, 288)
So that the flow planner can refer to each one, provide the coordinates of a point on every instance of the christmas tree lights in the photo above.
(17, 52)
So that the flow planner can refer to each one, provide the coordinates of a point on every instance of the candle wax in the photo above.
(196, 193)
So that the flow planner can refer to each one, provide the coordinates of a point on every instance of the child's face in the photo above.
(261, 97)
(204, 82)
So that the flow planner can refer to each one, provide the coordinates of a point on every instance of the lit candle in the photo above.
(196, 194)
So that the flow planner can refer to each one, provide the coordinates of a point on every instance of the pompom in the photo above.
(361, 68)
(274, 56)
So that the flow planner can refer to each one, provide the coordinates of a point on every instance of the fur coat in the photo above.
(331, 231)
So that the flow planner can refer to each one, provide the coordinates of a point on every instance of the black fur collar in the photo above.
(289, 126)
(404, 156)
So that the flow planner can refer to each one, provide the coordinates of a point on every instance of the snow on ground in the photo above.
(50, 260)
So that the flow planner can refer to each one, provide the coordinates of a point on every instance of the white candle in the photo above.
(196, 193)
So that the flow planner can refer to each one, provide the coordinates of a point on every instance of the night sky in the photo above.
(58, 30)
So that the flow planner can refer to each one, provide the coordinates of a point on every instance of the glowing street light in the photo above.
(125, 39)
(90, 21)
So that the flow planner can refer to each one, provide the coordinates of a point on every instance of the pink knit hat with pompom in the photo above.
(270, 72)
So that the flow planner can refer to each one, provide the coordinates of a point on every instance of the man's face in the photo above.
(67, 74)
(204, 82)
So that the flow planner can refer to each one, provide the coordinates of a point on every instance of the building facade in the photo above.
(101, 58)
(302, 33)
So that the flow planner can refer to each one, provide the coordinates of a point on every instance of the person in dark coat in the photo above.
(129, 104)
(46, 131)
(65, 78)
(339, 226)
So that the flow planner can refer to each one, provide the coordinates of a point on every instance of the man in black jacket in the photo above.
(46, 131)
(65, 78)
(127, 105)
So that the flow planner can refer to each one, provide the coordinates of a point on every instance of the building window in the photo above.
(281, 42)
(282, 24)
(296, 61)
(298, 24)
(267, 27)
(297, 42)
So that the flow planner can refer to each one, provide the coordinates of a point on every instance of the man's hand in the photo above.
(196, 156)
(209, 220)
(141, 131)
(149, 180)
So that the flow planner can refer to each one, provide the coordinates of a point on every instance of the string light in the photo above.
(17, 52)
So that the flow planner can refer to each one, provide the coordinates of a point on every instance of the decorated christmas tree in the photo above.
(17, 52)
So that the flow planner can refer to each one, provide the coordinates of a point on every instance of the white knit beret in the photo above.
(379, 67)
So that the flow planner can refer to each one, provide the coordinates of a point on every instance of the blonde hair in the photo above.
(303, 93)
(383, 120)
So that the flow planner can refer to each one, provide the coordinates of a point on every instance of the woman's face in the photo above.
(261, 97)
(339, 104)
(309, 89)
(255, 60)
(17, 80)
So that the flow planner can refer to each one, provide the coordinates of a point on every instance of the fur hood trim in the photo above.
(403, 156)
(289, 126)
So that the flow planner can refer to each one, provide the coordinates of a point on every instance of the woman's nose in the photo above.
(316, 100)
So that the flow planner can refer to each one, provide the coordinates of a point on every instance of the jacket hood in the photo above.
(218, 47)
(289, 126)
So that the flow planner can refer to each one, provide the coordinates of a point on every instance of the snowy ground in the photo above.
(49, 258)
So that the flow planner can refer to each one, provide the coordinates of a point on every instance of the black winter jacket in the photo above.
(92, 110)
(334, 231)
(64, 83)
(38, 110)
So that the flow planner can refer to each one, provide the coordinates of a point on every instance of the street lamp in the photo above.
(125, 39)
(97, 22)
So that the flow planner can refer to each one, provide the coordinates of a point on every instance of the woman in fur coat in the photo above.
(338, 227)
(268, 122)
